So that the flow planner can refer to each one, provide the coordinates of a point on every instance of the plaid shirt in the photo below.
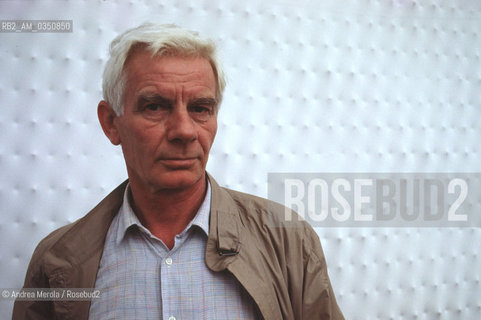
(140, 278)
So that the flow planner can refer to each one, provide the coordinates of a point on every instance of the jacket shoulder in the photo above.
(63, 242)
(282, 253)
(266, 211)
(273, 223)
(50, 240)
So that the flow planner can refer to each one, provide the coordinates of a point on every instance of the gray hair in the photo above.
(160, 40)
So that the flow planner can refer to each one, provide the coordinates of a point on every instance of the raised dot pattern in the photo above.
(313, 86)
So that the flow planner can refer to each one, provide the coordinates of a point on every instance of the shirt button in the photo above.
(172, 318)
(168, 262)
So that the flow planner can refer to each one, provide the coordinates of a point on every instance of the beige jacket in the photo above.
(281, 265)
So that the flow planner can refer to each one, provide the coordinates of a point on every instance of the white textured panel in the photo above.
(327, 85)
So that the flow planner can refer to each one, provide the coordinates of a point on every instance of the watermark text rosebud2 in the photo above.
(379, 199)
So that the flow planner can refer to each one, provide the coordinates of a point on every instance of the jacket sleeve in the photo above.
(35, 278)
(319, 301)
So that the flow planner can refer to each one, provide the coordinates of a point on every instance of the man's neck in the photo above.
(166, 213)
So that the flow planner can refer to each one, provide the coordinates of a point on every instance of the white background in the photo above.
(313, 86)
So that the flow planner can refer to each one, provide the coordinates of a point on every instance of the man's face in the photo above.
(169, 120)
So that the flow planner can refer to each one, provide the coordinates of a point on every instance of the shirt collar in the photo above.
(128, 218)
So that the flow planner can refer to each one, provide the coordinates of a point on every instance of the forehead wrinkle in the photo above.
(158, 71)
(162, 82)
(152, 86)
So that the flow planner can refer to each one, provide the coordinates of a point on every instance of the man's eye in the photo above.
(156, 107)
(200, 109)
(201, 113)
(152, 107)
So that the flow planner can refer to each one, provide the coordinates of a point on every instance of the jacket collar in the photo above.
(82, 246)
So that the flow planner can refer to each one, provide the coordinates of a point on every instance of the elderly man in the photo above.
(170, 243)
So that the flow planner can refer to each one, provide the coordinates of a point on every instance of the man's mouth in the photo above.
(178, 162)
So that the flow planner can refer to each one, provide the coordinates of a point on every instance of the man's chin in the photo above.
(178, 180)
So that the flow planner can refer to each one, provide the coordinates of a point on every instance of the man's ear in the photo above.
(107, 118)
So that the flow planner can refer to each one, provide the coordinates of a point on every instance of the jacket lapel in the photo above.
(229, 248)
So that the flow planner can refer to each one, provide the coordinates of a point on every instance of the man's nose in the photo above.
(180, 126)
